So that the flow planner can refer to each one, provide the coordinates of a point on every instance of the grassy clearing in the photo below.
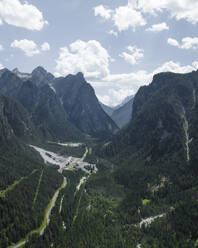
(12, 186)
(77, 209)
(145, 202)
(38, 187)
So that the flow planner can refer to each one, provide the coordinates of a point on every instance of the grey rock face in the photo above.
(81, 104)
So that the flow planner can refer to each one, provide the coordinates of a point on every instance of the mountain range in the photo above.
(60, 108)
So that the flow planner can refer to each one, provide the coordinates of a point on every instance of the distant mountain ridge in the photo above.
(120, 114)
(123, 114)
(108, 109)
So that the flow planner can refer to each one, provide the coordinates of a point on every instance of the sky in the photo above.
(118, 44)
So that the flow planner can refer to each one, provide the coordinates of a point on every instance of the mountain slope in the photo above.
(122, 115)
(14, 121)
(81, 104)
(42, 103)
(156, 161)
(109, 110)
(163, 115)
(20, 171)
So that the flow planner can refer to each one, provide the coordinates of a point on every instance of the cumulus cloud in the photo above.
(173, 42)
(134, 13)
(45, 46)
(176, 67)
(103, 12)
(29, 47)
(112, 89)
(19, 14)
(1, 48)
(118, 86)
(178, 9)
(126, 17)
(189, 43)
(158, 27)
(134, 56)
(88, 57)
(186, 43)
(115, 96)
(1, 66)
(123, 17)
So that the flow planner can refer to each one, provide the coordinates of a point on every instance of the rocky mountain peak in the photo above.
(40, 76)
(22, 75)
(15, 70)
(80, 75)
(39, 70)
(77, 79)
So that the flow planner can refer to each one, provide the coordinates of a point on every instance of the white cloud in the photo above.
(1, 66)
(114, 33)
(1, 48)
(19, 14)
(126, 17)
(158, 27)
(115, 96)
(123, 17)
(178, 9)
(189, 43)
(176, 67)
(29, 47)
(173, 42)
(186, 43)
(88, 57)
(133, 3)
(112, 89)
(103, 12)
(45, 46)
(134, 13)
(1, 23)
(134, 56)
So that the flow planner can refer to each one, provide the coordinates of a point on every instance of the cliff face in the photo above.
(81, 104)
(164, 119)
(43, 105)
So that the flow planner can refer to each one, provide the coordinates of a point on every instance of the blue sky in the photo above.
(118, 45)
